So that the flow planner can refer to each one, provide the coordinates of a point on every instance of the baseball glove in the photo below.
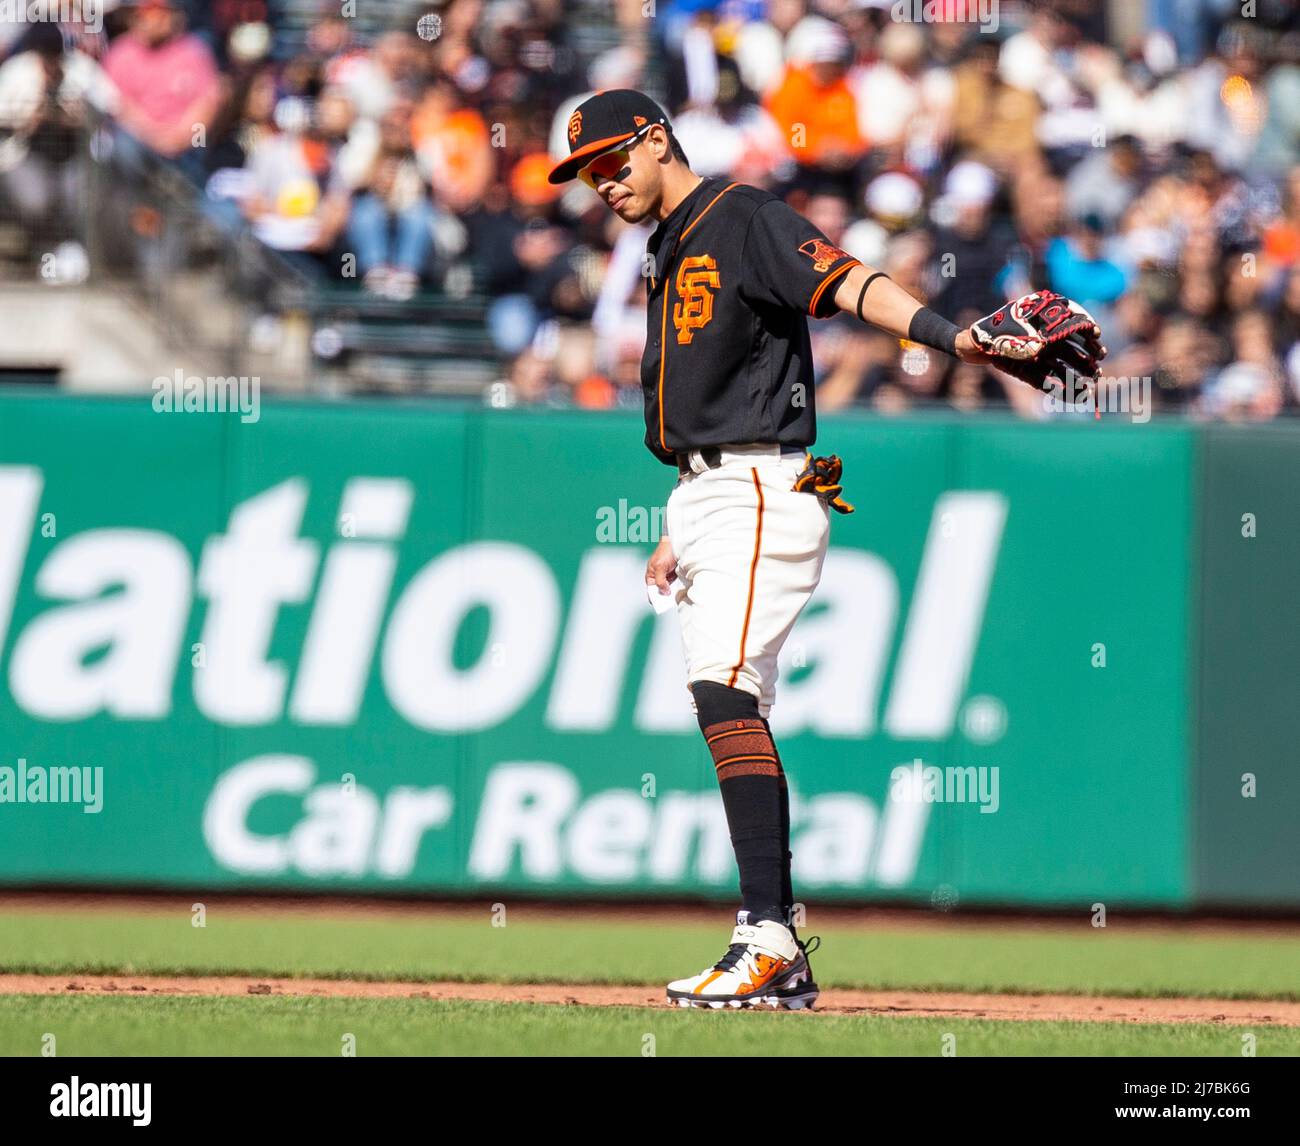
(821, 477)
(1044, 339)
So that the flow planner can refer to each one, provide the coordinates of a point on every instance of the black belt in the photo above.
(711, 455)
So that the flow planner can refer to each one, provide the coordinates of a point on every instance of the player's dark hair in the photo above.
(678, 151)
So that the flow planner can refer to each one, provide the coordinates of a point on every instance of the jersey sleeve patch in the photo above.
(790, 262)
(823, 254)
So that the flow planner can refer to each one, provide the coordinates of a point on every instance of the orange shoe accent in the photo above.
(765, 970)
(715, 975)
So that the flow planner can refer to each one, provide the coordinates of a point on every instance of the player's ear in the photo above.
(658, 142)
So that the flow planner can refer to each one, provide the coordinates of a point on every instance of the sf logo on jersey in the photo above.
(697, 278)
(823, 255)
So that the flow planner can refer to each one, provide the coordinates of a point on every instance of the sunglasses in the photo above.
(610, 164)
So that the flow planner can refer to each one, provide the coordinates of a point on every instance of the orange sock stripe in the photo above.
(748, 756)
(752, 728)
(751, 744)
(755, 768)
(742, 748)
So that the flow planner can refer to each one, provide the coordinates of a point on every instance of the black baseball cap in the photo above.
(603, 122)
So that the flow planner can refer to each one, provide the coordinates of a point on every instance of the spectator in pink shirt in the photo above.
(167, 79)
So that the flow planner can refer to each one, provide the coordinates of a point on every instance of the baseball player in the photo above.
(727, 375)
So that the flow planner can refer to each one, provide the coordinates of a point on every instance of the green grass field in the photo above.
(534, 948)
(305, 1026)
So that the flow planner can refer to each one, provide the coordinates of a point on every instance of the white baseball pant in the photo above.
(749, 553)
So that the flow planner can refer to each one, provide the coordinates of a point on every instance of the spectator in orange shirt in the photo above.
(454, 147)
(1282, 236)
(815, 106)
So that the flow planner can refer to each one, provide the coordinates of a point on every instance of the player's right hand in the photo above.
(661, 569)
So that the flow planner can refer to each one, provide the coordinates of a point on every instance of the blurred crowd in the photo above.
(1142, 158)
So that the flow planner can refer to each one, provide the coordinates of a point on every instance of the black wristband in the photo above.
(930, 329)
(863, 292)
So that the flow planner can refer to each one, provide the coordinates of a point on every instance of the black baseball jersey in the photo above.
(727, 357)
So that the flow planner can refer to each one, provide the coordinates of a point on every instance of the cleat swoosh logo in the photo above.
(764, 971)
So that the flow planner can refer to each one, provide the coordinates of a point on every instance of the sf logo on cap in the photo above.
(575, 126)
(695, 277)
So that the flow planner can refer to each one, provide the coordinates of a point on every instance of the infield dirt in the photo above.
(901, 1004)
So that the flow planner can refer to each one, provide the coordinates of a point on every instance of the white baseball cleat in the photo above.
(765, 966)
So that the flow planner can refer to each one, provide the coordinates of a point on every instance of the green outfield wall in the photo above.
(1246, 785)
(405, 647)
